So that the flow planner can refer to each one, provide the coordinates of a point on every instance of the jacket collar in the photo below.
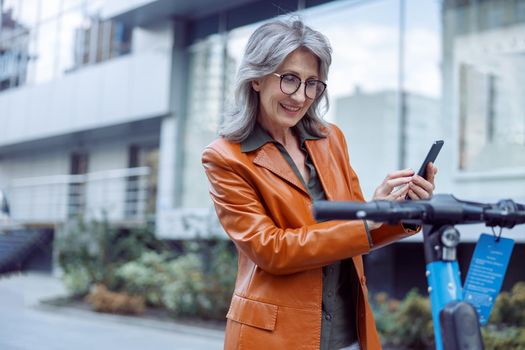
(259, 137)
(267, 154)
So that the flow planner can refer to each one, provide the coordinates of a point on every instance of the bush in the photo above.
(183, 295)
(89, 252)
(509, 338)
(145, 276)
(407, 324)
(509, 309)
(78, 280)
(199, 283)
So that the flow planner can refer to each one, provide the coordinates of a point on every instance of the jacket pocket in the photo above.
(253, 313)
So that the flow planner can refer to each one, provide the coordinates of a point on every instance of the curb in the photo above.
(170, 326)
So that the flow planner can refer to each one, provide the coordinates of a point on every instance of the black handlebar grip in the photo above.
(329, 210)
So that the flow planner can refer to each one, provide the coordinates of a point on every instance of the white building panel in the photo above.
(128, 88)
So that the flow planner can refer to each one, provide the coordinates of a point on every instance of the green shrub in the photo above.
(507, 338)
(198, 283)
(183, 294)
(78, 281)
(90, 251)
(145, 276)
(509, 309)
(407, 324)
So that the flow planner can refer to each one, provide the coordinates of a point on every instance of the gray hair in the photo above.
(267, 48)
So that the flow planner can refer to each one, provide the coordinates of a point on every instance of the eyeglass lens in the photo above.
(291, 83)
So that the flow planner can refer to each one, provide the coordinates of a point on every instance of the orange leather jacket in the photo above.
(266, 211)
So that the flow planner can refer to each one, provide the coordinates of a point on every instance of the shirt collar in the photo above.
(259, 137)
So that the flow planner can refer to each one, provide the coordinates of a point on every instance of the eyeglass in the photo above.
(290, 83)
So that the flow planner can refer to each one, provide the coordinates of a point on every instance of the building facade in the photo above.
(105, 106)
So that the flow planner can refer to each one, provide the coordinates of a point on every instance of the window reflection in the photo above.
(71, 44)
(363, 82)
(487, 58)
(211, 71)
(41, 40)
(29, 12)
(50, 9)
(47, 44)
(71, 4)
(14, 42)
(422, 81)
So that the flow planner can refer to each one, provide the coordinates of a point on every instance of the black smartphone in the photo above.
(431, 157)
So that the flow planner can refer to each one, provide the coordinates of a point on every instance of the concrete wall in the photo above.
(127, 88)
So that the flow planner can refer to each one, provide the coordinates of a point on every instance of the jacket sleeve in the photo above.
(276, 250)
(386, 234)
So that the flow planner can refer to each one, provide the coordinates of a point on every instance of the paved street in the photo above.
(25, 324)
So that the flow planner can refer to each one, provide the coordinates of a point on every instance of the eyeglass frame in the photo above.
(301, 82)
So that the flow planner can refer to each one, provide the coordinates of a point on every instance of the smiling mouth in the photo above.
(291, 108)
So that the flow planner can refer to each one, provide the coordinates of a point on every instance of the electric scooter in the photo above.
(456, 321)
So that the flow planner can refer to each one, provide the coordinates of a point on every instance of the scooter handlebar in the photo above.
(440, 209)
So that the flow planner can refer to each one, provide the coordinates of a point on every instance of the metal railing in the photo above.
(120, 195)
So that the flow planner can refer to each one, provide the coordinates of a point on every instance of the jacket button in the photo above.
(328, 317)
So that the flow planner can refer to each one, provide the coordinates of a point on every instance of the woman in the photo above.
(300, 283)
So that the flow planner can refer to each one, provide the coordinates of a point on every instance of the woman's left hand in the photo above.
(413, 185)
(419, 188)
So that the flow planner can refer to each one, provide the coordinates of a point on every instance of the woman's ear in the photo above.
(256, 85)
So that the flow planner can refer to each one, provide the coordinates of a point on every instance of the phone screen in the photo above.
(431, 157)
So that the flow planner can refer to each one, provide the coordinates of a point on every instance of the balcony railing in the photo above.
(120, 195)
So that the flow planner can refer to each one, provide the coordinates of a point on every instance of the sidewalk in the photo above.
(25, 323)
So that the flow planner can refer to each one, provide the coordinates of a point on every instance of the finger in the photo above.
(399, 173)
(401, 191)
(421, 192)
(401, 194)
(390, 184)
(413, 195)
(425, 184)
(431, 172)
(385, 189)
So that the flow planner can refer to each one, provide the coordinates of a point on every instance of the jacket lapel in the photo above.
(319, 152)
(269, 157)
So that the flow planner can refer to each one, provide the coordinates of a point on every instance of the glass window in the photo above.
(94, 7)
(11, 25)
(363, 81)
(487, 59)
(364, 41)
(422, 78)
(236, 44)
(29, 12)
(14, 39)
(70, 38)
(31, 59)
(491, 116)
(207, 79)
(72, 5)
(11, 9)
(45, 56)
(50, 9)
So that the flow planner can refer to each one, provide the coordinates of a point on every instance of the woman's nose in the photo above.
(300, 94)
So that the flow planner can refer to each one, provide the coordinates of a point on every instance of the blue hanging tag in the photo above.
(486, 272)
